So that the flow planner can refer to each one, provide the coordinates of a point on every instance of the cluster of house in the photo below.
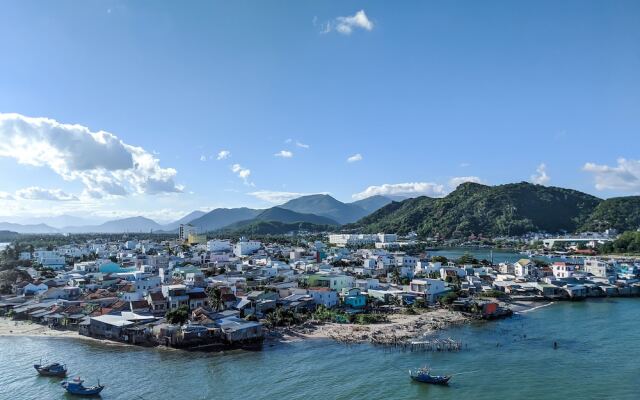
(592, 278)
(125, 288)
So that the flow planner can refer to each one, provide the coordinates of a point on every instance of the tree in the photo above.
(440, 259)
(178, 315)
(215, 298)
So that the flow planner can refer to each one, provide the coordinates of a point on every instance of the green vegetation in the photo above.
(272, 228)
(327, 315)
(621, 213)
(448, 298)
(178, 316)
(493, 294)
(628, 242)
(511, 209)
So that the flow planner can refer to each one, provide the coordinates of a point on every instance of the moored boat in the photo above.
(75, 386)
(54, 369)
(423, 375)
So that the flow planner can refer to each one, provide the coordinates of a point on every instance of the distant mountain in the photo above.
(326, 206)
(374, 203)
(221, 217)
(27, 229)
(184, 220)
(257, 227)
(621, 213)
(510, 209)
(277, 214)
(132, 225)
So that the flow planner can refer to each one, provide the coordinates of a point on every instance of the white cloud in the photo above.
(203, 158)
(276, 197)
(346, 25)
(541, 177)
(302, 145)
(464, 165)
(625, 176)
(100, 160)
(223, 155)
(5, 196)
(37, 193)
(355, 158)
(403, 189)
(284, 154)
(243, 173)
(458, 180)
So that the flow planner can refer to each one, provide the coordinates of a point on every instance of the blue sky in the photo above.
(428, 94)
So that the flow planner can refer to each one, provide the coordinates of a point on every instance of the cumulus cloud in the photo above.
(284, 154)
(5, 196)
(625, 176)
(100, 160)
(355, 158)
(458, 180)
(276, 197)
(243, 173)
(223, 155)
(403, 189)
(38, 193)
(346, 25)
(203, 158)
(541, 177)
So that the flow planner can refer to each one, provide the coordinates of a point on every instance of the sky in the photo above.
(112, 108)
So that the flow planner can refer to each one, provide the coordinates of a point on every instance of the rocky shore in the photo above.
(401, 328)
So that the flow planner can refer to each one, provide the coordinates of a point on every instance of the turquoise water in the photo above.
(514, 358)
(498, 255)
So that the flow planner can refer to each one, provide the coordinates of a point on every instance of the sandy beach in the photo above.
(9, 327)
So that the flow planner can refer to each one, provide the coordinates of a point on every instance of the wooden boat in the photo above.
(55, 369)
(75, 386)
(423, 375)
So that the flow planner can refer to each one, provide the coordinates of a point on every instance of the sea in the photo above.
(597, 357)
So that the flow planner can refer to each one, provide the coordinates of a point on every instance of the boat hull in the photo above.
(79, 390)
(53, 372)
(433, 380)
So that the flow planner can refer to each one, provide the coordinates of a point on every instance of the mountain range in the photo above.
(510, 209)
(321, 210)
(472, 208)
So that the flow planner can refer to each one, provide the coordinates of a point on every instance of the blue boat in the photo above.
(423, 375)
(55, 369)
(75, 386)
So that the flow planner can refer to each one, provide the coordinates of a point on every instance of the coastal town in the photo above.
(199, 293)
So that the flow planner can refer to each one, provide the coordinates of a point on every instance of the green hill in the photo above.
(510, 209)
(621, 213)
(257, 227)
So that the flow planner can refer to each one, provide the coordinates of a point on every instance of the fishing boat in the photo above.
(423, 375)
(54, 369)
(75, 386)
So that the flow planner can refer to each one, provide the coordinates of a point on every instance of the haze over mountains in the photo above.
(472, 208)
(313, 209)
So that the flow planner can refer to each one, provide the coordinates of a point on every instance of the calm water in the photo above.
(498, 255)
(597, 357)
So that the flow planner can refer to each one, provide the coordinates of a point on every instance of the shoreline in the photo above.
(401, 328)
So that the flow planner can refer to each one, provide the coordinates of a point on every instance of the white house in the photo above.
(429, 288)
(246, 247)
(595, 267)
(324, 296)
(562, 270)
(523, 268)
